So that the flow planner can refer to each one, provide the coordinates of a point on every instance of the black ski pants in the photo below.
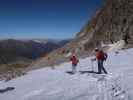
(100, 67)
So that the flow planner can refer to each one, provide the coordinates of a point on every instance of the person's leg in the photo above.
(73, 68)
(103, 68)
(99, 67)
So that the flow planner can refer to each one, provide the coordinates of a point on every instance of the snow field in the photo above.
(48, 84)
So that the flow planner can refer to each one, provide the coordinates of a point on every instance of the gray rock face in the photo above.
(113, 22)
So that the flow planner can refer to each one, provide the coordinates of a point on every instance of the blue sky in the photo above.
(45, 18)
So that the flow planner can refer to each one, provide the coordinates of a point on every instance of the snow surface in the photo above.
(48, 84)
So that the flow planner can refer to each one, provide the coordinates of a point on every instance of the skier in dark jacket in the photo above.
(100, 57)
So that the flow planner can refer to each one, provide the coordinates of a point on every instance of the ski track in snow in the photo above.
(47, 84)
(110, 90)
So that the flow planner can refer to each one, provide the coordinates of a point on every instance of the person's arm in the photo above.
(78, 60)
(93, 59)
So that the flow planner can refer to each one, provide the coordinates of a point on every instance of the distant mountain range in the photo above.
(12, 50)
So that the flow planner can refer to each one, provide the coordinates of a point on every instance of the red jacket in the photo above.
(100, 55)
(74, 60)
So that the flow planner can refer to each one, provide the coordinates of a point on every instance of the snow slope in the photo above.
(48, 84)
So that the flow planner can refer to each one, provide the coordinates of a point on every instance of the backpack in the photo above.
(74, 60)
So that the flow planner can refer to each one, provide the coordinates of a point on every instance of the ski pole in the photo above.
(92, 66)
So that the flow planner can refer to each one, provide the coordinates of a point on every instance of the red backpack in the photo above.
(74, 60)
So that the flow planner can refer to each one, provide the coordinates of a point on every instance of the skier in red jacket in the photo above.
(75, 61)
(100, 57)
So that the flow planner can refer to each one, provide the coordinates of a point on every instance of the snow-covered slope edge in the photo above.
(48, 84)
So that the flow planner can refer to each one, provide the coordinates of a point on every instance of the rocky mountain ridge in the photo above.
(113, 22)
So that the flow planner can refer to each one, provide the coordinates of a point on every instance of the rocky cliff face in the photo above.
(113, 22)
